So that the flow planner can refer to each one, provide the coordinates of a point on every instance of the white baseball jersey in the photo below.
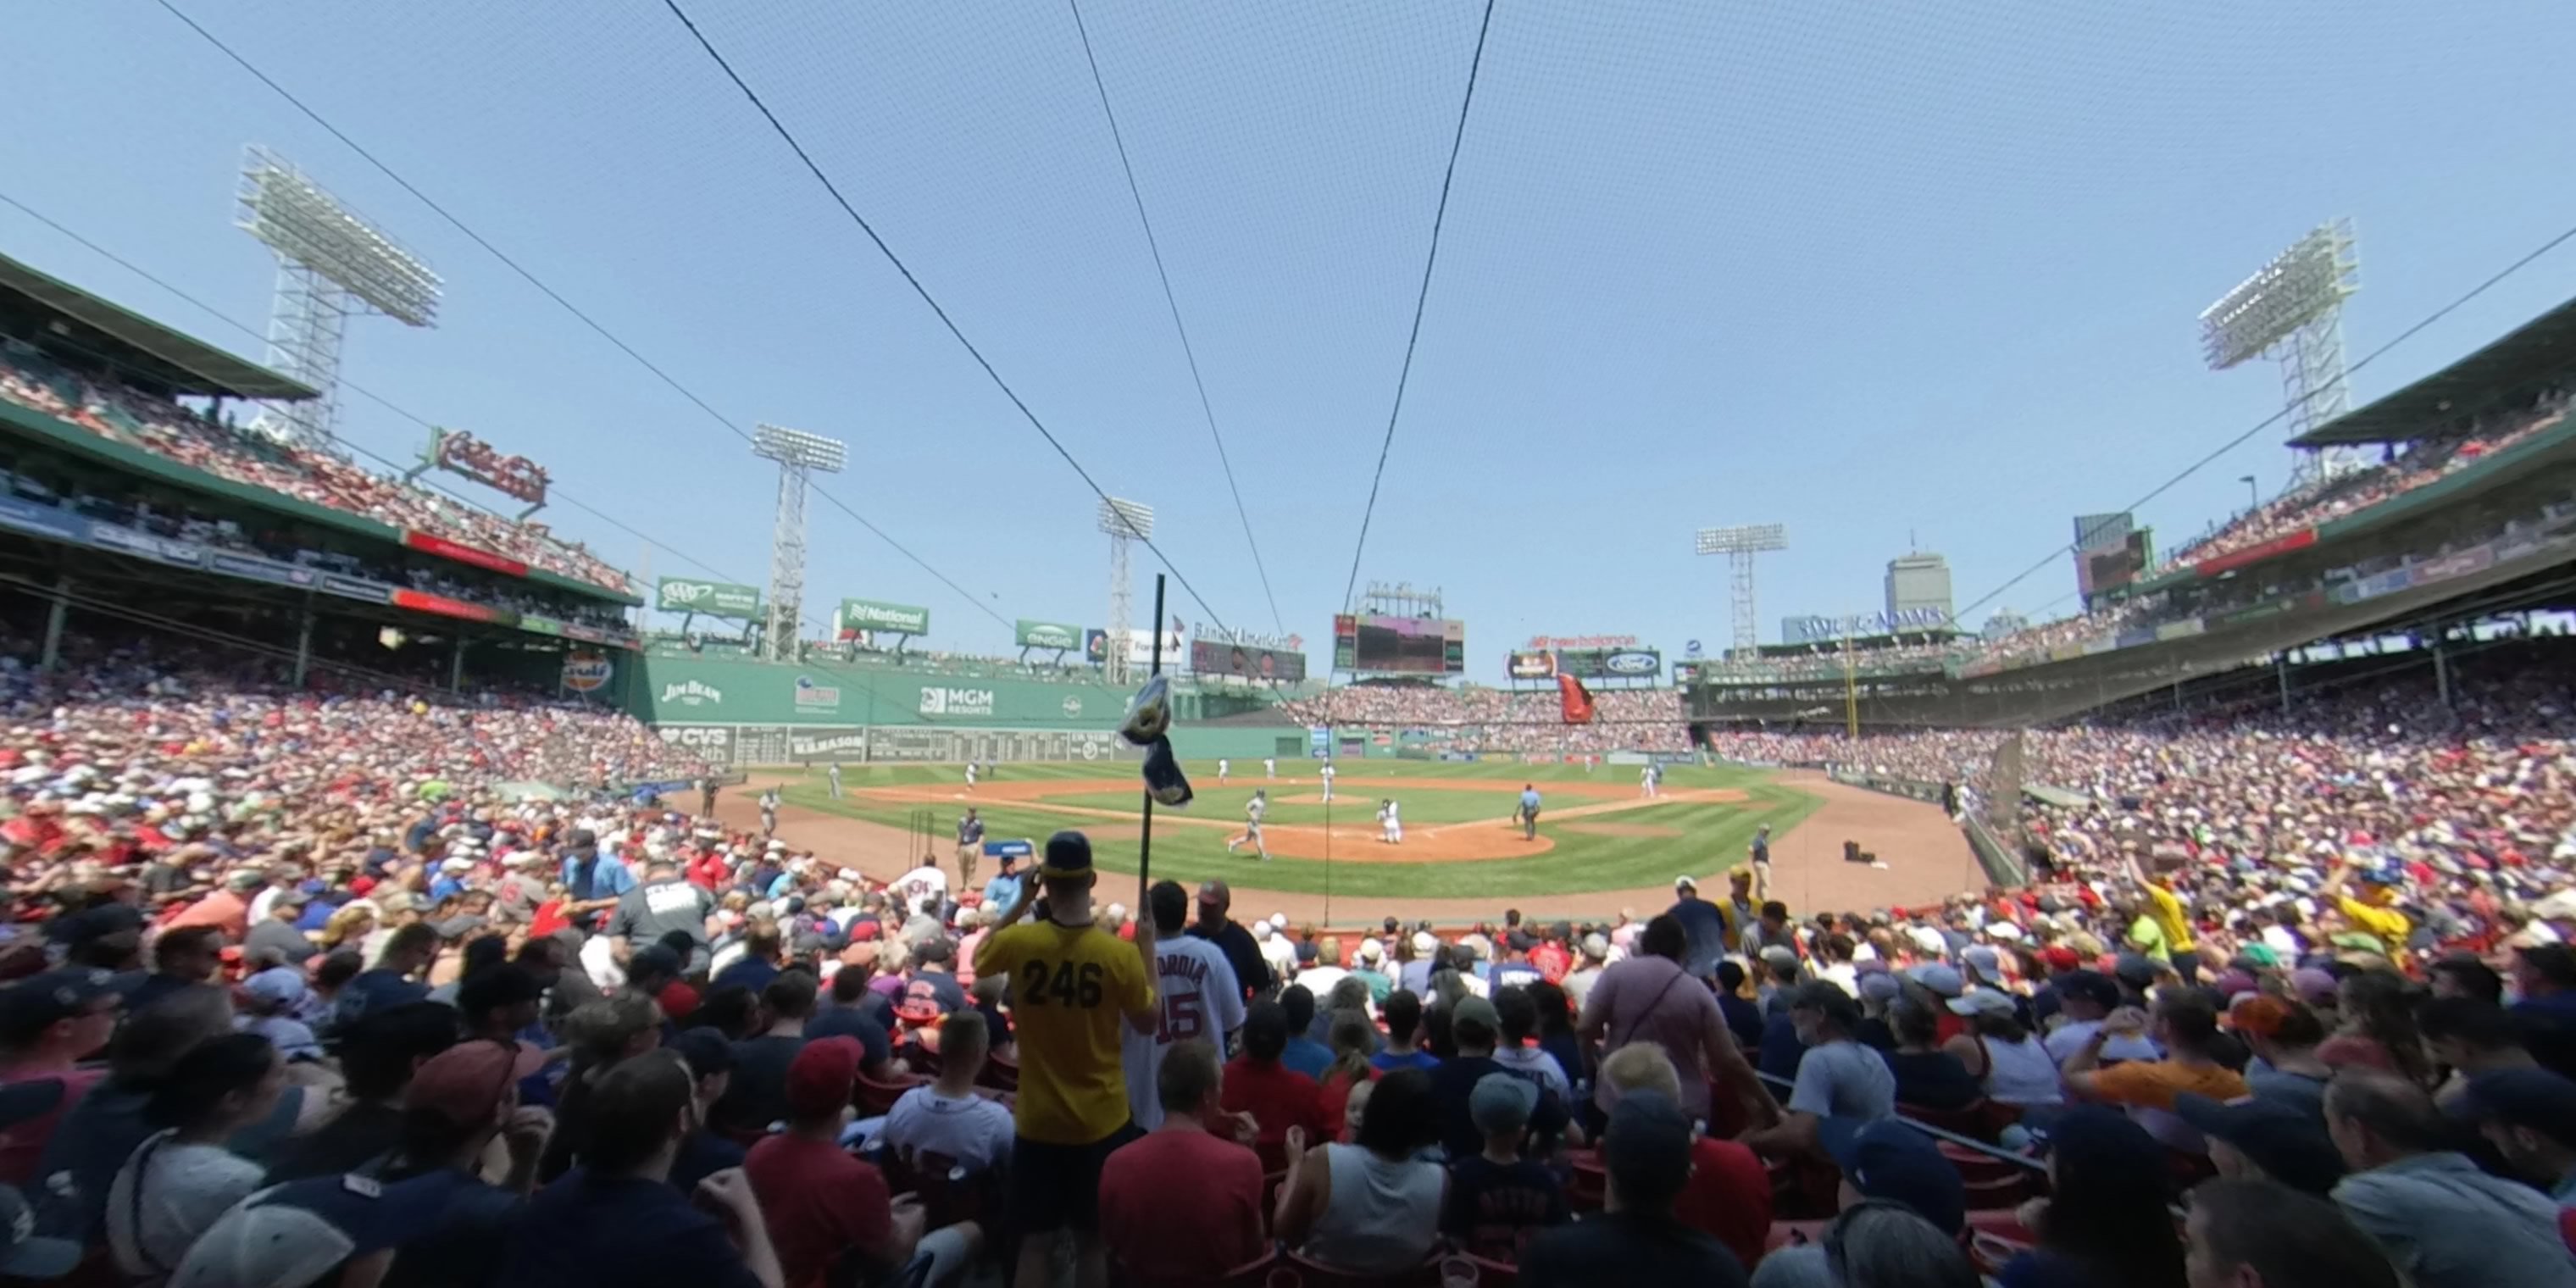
(1270, 767)
(1222, 767)
(1255, 808)
(1200, 999)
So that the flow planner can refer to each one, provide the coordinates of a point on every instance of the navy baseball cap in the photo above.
(2543, 1101)
(2288, 1141)
(1068, 857)
(1887, 1159)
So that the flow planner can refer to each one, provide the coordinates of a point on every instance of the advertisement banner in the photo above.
(587, 672)
(134, 541)
(2180, 630)
(707, 598)
(827, 744)
(1217, 657)
(1532, 664)
(2256, 553)
(1053, 635)
(421, 601)
(1095, 646)
(960, 702)
(464, 554)
(1633, 664)
(355, 588)
(813, 695)
(1686, 673)
(1542, 643)
(2458, 563)
(856, 615)
(45, 520)
(254, 568)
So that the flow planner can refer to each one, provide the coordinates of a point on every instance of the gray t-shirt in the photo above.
(1844, 1079)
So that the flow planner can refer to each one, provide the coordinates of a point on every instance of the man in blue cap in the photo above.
(1073, 985)
(2529, 1115)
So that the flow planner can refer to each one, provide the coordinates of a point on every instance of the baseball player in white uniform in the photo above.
(970, 775)
(1269, 767)
(1646, 782)
(1198, 993)
(1223, 768)
(1252, 811)
(1327, 772)
(1390, 827)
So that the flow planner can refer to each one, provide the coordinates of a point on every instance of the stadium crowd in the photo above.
(1472, 718)
(135, 419)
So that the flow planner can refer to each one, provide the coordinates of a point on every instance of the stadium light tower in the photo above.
(800, 456)
(1739, 545)
(2292, 311)
(331, 265)
(1123, 521)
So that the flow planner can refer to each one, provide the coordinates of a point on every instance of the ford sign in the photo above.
(1633, 662)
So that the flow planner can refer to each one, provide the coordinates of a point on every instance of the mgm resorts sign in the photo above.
(939, 701)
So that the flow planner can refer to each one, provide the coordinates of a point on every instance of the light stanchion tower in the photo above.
(800, 456)
(1739, 545)
(1123, 521)
(332, 265)
(2291, 311)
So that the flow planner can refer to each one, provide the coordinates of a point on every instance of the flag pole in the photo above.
(1145, 838)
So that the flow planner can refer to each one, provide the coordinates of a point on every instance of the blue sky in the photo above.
(1862, 269)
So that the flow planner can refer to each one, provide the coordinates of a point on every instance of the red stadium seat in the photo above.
(873, 1097)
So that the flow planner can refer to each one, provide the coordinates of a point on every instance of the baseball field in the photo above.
(1601, 843)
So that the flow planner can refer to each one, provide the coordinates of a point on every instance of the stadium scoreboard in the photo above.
(1399, 645)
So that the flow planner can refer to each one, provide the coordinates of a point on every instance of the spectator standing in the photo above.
(1653, 997)
(1251, 971)
(1636, 1242)
(704, 1153)
(458, 1103)
(1182, 1206)
(1517, 1013)
(615, 1219)
(181, 1177)
(2255, 1234)
(1475, 1027)
(395, 980)
(274, 936)
(1704, 928)
(379, 1056)
(666, 904)
(1587, 970)
(184, 957)
(1195, 986)
(1304, 1054)
(2444, 1222)
(1072, 986)
(1372, 1206)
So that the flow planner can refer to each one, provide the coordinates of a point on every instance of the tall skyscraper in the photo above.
(1917, 581)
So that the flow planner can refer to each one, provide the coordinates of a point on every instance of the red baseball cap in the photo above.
(465, 1082)
(820, 1080)
(2060, 958)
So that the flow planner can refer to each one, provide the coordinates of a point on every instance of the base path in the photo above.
(1927, 859)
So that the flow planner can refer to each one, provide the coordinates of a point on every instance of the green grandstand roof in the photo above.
(2542, 347)
(145, 348)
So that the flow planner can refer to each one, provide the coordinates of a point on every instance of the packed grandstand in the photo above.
(350, 946)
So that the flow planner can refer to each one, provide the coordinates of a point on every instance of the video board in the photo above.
(1399, 645)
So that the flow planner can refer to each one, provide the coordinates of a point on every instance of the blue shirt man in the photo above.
(1529, 800)
(589, 875)
(1004, 889)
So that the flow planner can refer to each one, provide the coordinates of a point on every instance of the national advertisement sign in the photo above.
(873, 615)
(706, 598)
(1054, 635)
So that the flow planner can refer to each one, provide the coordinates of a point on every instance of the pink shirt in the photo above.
(1650, 999)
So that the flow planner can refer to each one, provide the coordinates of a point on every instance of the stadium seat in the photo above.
(1589, 1186)
(1000, 1072)
(1315, 1274)
(874, 1097)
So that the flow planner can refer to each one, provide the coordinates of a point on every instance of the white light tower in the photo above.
(1124, 521)
(331, 265)
(1739, 545)
(800, 456)
(2292, 311)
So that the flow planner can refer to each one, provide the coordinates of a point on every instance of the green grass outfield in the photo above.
(1711, 836)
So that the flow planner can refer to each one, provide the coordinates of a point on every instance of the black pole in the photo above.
(1145, 839)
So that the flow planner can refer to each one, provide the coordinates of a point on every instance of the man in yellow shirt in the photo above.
(2164, 908)
(2373, 912)
(1072, 986)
